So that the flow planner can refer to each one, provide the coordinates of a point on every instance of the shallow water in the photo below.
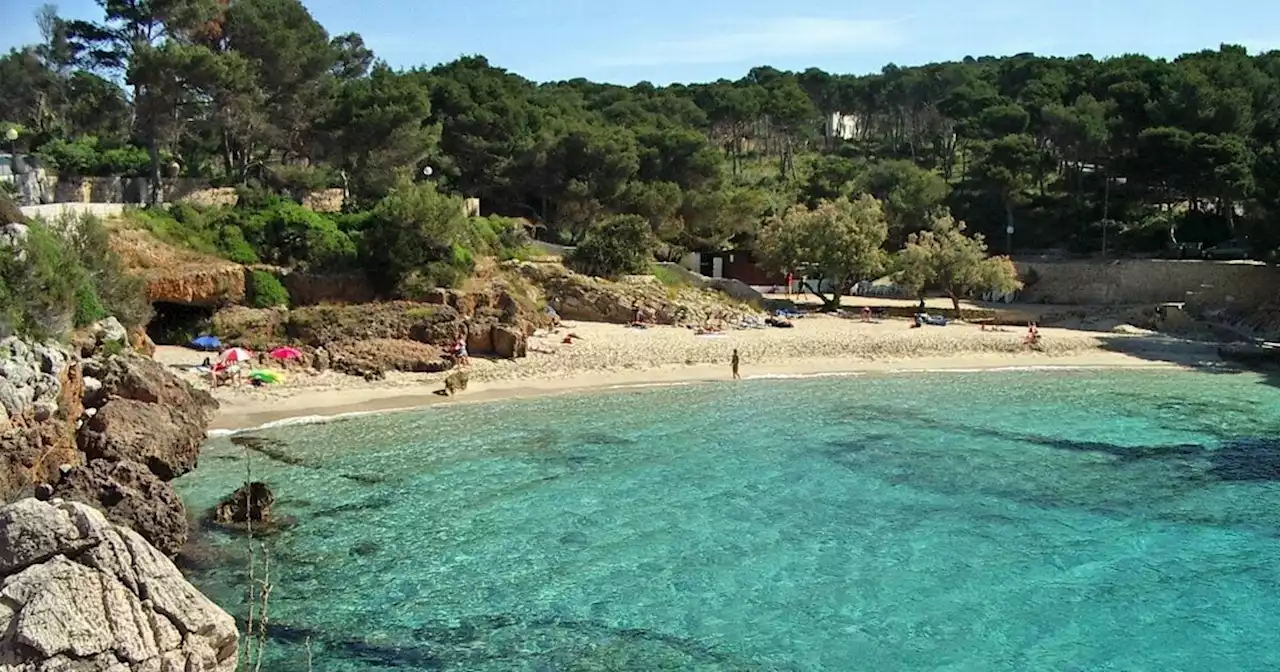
(1088, 520)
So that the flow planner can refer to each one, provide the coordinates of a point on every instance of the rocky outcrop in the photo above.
(250, 504)
(41, 388)
(111, 438)
(131, 495)
(357, 358)
(80, 593)
(395, 320)
(176, 275)
(580, 297)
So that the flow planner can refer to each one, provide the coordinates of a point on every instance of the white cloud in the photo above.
(741, 41)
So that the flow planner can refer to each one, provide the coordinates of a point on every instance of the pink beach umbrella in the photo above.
(286, 352)
(235, 355)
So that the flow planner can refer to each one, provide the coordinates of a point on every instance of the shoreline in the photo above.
(608, 356)
(317, 406)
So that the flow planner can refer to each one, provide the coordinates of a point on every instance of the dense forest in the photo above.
(1128, 154)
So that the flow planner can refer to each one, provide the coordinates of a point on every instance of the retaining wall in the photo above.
(1240, 285)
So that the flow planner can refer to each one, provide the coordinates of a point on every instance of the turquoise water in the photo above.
(1087, 520)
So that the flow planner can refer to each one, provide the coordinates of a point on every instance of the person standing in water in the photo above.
(734, 363)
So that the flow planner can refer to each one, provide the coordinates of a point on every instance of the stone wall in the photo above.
(199, 193)
(56, 211)
(324, 200)
(1238, 285)
(90, 190)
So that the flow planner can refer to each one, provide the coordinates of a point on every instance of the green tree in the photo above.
(943, 258)
(839, 242)
(417, 238)
(912, 196)
(618, 245)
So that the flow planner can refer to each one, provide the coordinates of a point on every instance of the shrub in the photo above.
(291, 235)
(42, 283)
(620, 245)
(120, 294)
(266, 291)
(417, 236)
(88, 306)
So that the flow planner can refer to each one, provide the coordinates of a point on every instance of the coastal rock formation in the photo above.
(110, 438)
(41, 388)
(357, 358)
(250, 503)
(81, 593)
(176, 275)
(396, 320)
(579, 297)
(131, 496)
(150, 416)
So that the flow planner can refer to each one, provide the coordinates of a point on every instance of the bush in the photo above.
(291, 235)
(417, 236)
(42, 283)
(266, 291)
(120, 294)
(620, 245)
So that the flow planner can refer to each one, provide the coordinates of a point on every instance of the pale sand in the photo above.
(612, 356)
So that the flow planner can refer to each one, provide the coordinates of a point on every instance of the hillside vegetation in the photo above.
(1128, 154)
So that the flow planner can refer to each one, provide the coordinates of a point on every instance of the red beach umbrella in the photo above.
(235, 355)
(286, 352)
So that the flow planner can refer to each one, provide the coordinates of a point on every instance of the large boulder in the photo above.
(144, 379)
(131, 496)
(165, 438)
(250, 504)
(509, 342)
(395, 320)
(80, 593)
(580, 297)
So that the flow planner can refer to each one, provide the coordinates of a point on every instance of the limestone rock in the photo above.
(509, 342)
(144, 379)
(250, 503)
(110, 330)
(164, 438)
(80, 594)
(141, 342)
(385, 354)
(131, 496)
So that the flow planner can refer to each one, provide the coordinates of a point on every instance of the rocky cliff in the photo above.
(81, 594)
(109, 430)
(176, 275)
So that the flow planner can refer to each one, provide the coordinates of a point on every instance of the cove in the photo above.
(1011, 520)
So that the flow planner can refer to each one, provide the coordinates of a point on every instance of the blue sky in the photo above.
(698, 40)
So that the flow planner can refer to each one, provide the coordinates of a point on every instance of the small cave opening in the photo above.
(178, 323)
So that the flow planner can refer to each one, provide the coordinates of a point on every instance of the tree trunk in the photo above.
(955, 302)
(153, 150)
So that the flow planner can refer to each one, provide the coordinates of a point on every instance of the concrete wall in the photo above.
(1241, 285)
(55, 211)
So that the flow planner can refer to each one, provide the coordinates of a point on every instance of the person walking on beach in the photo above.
(734, 364)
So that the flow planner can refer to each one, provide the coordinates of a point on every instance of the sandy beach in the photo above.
(606, 355)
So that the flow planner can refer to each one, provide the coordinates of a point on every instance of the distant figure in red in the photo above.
(1033, 334)
(790, 279)
(460, 350)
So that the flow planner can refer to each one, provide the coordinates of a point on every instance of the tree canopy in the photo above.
(258, 93)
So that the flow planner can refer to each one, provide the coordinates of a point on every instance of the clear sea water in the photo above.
(1032, 520)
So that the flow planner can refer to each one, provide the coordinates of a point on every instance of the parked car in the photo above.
(1230, 249)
